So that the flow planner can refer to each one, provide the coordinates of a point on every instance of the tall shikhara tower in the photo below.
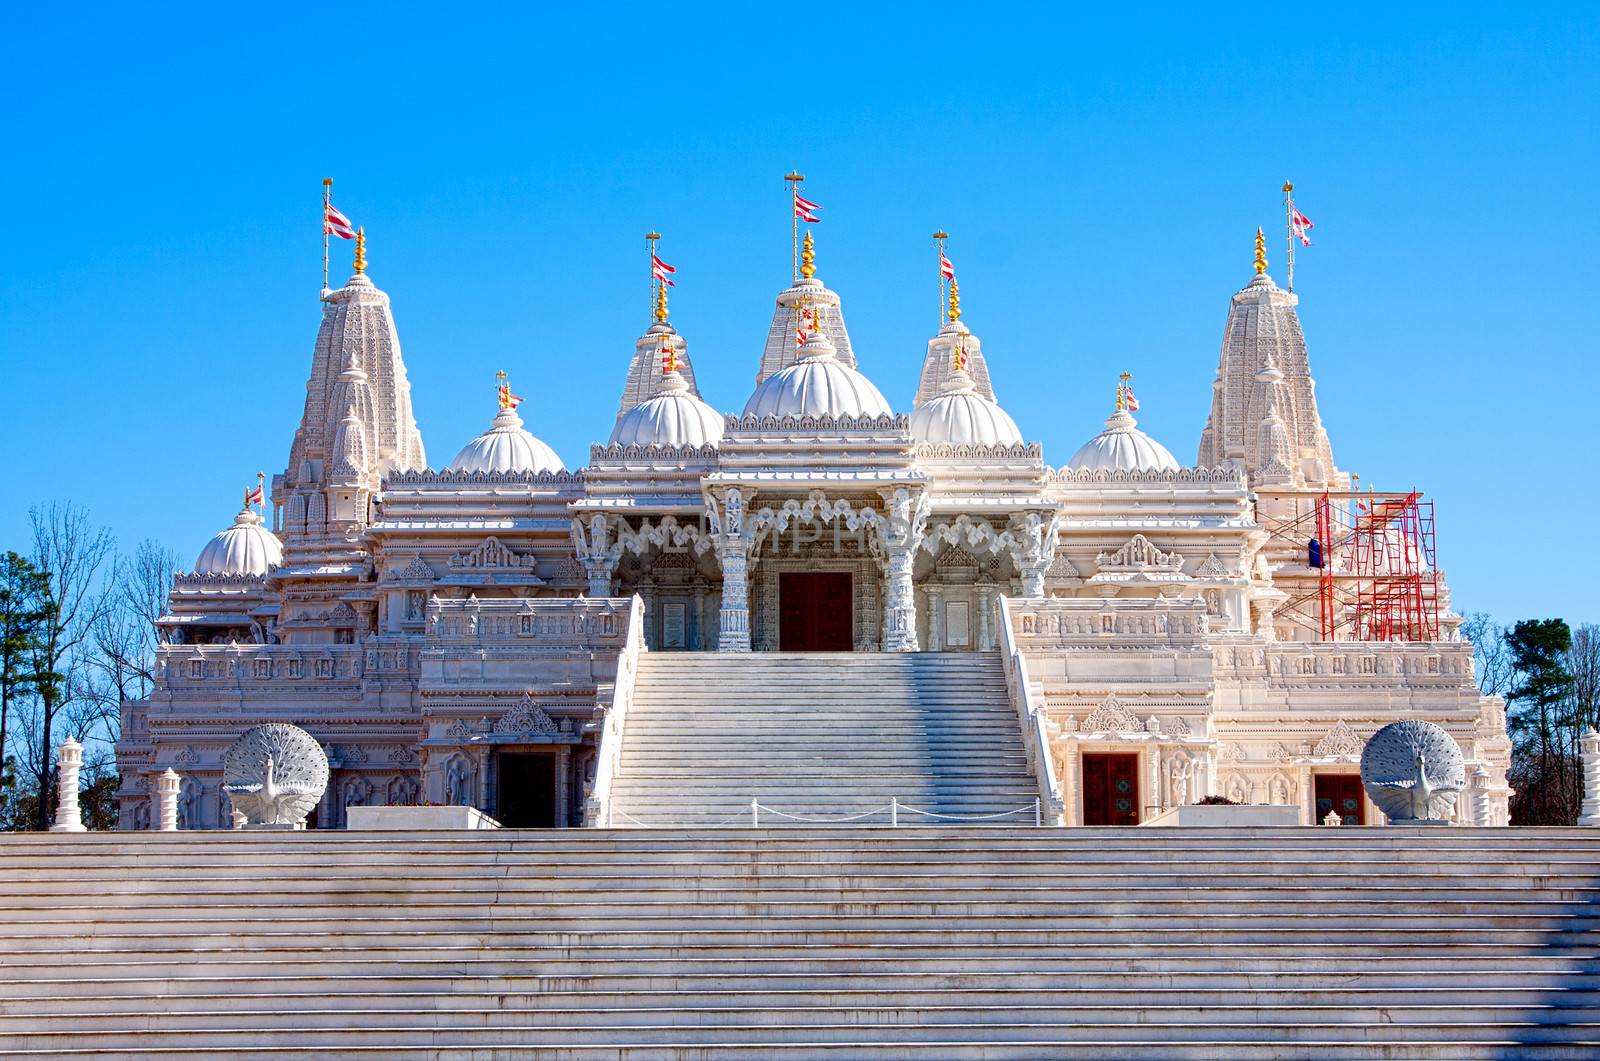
(357, 425)
(1264, 405)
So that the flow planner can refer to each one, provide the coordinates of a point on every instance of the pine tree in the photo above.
(22, 590)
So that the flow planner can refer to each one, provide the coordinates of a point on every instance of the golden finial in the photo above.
(793, 176)
(941, 234)
(808, 257)
(955, 301)
(1122, 386)
(1261, 253)
(361, 250)
(661, 304)
(1287, 187)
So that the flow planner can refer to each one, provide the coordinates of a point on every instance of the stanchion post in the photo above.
(894, 812)
(755, 813)
(1038, 813)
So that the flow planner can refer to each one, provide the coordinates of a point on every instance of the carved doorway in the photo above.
(525, 797)
(1342, 793)
(1111, 790)
(815, 611)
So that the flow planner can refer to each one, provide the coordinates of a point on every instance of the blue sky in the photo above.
(1101, 177)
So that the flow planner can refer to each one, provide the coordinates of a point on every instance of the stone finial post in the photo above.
(1590, 814)
(1480, 796)
(167, 783)
(69, 816)
(1332, 819)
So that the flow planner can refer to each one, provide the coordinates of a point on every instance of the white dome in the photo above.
(506, 447)
(963, 417)
(672, 417)
(1123, 447)
(246, 548)
(817, 385)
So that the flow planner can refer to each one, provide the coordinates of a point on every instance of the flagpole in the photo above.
(938, 241)
(327, 199)
(650, 242)
(261, 489)
(794, 178)
(1288, 213)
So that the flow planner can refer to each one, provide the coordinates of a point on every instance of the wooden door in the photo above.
(815, 611)
(1111, 790)
(1342, 793)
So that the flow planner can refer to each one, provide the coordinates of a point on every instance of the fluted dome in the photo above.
(1123, 447)
(963, 417)
(506, 447)
(818, 384)
(671, 417)
(246, 548)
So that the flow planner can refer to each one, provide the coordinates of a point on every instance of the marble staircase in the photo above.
(820, 735)
(865, 944)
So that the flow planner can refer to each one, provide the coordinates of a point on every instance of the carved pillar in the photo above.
(596, 553)
(1589, 814)
(1308, 796)
(69, 818)
(694, 637)
(166, 817)
(1034, 547)
(935, 618)
(906, 514)
(1071, 785)
(986, 618)
(1153, 785)
(563, 785)
(733, 547)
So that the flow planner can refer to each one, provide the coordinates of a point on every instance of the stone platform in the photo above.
(860, 944)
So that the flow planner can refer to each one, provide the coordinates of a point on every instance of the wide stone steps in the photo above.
(821, 736)
(794, 945)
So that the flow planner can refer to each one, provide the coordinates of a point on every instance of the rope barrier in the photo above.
(892, 809)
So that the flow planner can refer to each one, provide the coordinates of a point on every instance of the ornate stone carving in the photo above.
(1111, 716)
(1212, 567)
(275, 774)
(492, 555)
(1413, 771)
(1340, 740)
(527, 718)
(1139, 555)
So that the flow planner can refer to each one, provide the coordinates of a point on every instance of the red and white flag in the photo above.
(1129, 402)
(254, 496)
(335, 223)
(808, 323)
(669, 359)
(507, 399)
(946, 269)
(805, 209)
(1300, 224)
(660, 270)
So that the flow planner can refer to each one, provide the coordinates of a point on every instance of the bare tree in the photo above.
(121, 663)
(1491, 658)
(1583, 663)
(70, 553)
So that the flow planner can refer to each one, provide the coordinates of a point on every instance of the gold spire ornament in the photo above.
(1261, 253)
(955, 301)
(938, 241)
(660, 312)
(361, 251)
(808, 257)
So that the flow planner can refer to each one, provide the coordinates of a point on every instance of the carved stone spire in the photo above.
(1264, 406)
(357, 425)
(808, 292)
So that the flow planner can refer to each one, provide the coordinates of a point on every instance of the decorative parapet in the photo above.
(192, 582)
(184, 667)
(949, 450)
(790, 424)
(584, 623)
(619, 452)
(1084, 476)
(451, 478)
(1350, 663)
(1077, 623)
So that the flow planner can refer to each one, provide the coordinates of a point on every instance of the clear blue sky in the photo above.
(1102, 179)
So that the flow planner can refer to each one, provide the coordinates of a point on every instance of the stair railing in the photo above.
(597, 811)
(1035, 736)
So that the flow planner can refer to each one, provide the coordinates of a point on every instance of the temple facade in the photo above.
(463, 633)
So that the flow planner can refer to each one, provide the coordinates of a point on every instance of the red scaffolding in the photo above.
(1371, 559)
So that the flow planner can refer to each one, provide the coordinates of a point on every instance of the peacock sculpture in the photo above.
(275, 774)
(1413, 771)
